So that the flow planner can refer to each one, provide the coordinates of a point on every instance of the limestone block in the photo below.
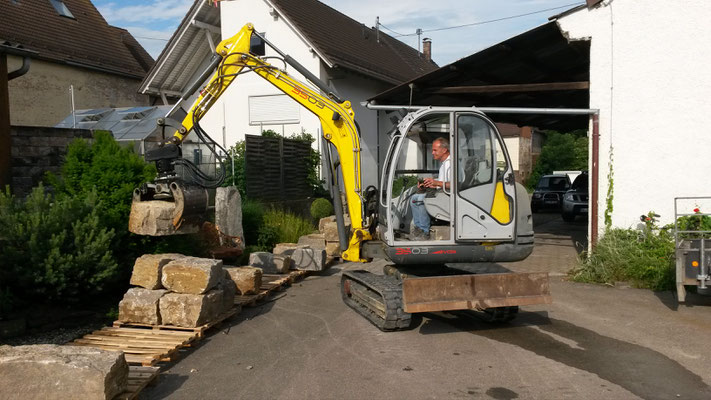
(48, 372)
(330, 231)
(309, 259)
(155, 218)
(333, 249)
(286, 248)
(140, 305)
(269, 263)
(192, 275)
(247, 279)
(190, 310)
(228, 216)
(314, 240)
(148, 267)
(325, 220)
(229, 291)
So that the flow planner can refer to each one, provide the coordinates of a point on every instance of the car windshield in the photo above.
(581, 183)
(552, 183)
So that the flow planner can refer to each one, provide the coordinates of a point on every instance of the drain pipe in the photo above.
(5, 77)
(20, 71)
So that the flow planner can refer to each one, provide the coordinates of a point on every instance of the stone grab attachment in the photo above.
(162, 210)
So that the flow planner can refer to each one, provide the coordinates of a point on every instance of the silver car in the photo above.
(575, 200)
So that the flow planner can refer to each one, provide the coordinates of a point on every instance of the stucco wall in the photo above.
(649, 78)
(41, 97)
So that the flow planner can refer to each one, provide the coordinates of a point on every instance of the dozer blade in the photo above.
(182, 212)
(474, 292)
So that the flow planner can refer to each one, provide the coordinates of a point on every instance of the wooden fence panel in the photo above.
(276, 169)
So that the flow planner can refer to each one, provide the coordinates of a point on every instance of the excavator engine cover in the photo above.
(173, 210)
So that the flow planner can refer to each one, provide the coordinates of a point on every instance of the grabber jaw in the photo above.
(167, 208)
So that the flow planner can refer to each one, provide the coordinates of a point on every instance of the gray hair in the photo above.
(443, 142)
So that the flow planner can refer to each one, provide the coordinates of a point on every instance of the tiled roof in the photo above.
(85, 40)
(349, 44)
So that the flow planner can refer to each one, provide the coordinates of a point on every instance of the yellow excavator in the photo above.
(481, 216)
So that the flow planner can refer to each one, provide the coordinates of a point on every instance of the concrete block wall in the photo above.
(36, 150)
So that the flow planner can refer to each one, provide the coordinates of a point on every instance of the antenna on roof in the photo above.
(377, 29)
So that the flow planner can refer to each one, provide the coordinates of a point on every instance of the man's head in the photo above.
(440, 149)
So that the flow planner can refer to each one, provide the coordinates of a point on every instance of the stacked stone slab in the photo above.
(177, 290)
(303, 256)
(49, 372)
(248, 280)
(141, 305)
(195, 299)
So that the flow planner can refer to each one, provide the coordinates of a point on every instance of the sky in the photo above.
(152, 22)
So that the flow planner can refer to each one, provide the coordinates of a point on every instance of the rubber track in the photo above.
(390, 291)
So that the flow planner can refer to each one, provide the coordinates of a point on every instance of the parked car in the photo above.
(575, 200)
(549, 192)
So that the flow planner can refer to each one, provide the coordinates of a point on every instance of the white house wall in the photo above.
(231, 113)
(649, 78)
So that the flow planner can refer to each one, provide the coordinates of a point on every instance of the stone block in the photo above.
(314, 240)
(191, 310)
(325, 220)
(148, 268)
(286, 249)
(228, 216)
(333, 249)
(229, 291)
(247, 279)
(192, 275)
(269, 263)
(155, 218)
(49, 372)
(308, 259)
(330, 231)
(140, 306)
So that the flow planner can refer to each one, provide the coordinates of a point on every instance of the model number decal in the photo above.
(304, 95)
(403, 251)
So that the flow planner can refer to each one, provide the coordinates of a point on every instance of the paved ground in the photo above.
(592, 342)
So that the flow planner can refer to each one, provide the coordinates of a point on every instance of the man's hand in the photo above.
(431, 183)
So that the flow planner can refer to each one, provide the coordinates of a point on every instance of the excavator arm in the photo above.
(336, 116)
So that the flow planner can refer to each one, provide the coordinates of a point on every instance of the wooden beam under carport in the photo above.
(522, 87)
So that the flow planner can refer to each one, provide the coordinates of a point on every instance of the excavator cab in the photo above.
(479, 210)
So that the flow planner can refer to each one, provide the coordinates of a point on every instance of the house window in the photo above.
(62, 8)
(273, 110)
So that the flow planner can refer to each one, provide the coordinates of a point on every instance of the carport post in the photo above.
(595, 178)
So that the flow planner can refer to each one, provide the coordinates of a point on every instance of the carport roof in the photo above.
(539, 68)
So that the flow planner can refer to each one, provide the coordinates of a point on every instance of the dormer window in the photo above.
(62, 8)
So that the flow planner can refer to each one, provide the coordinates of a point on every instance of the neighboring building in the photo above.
(70, 45)
(355, 60)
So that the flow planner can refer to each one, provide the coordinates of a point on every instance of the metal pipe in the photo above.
(493, 110)
(594, 191)
(20, 71)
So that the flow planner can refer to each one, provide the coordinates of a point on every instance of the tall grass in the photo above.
(645, 259)
(288, 227)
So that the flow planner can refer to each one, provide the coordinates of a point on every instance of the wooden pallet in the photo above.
(199, 331)
(139, 345)
(138, 379)
(270, 283)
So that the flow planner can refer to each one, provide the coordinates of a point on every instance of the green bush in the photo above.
(644, 258)
(252, 220)
(321, 208)
(289, 227)
(53, 249)
(561, 151)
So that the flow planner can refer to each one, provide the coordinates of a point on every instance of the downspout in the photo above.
(5, 138)
(595, 179)
(20, 71)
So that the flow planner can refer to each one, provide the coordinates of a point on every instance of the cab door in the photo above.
(485, 198)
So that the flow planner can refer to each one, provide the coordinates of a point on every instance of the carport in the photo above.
(537, 78)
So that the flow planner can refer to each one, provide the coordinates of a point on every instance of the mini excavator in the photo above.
(482, 216)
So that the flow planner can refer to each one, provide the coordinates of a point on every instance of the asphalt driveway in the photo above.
(592, 342)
